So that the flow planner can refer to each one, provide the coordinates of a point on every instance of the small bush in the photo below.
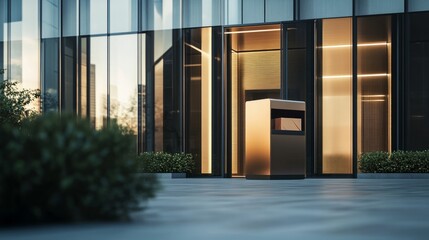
(60, 169)
(161, 162)
(397, 162)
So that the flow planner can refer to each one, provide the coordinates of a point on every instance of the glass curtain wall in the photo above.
(334, 96)
(4, 6)
(93, 80)
(198, 74)
(417, 83)
(141, 91)
(123, 81)
(374, 68)
(51, 30)
(123, 16)
(25, 45)
(69, 55)
(93, 17)
(164, 71)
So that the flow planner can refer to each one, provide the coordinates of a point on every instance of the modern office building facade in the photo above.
(178, 72)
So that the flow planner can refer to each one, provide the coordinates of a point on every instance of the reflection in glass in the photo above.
(374, 84)
(142, 97)
(25, 45)
(70, 17)
(161, 14)
(166, 90)
(417, 84)
(69, 74)
(93, 80)
(233, 12)
(335, 96)
(3, 38)
(123, 15)
(297, 69)
(123, 81)
(254, 73)
(51, 18)
(93, 17)
(198, 80)
(50, 74)
(201, 13)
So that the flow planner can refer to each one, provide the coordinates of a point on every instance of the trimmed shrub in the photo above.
(161, 162)
(60, 169)
(397, 162)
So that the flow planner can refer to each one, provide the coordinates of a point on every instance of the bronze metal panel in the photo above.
(287, 154)
(257, 144)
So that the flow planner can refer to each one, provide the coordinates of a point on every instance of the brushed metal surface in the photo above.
(287, 154)
(267, 154)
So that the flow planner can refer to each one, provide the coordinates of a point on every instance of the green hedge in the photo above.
(161, 162)
(61, 169)
(397, 162)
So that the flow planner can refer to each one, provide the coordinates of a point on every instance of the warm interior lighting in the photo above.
(336, 105)
(375, 44)
(197, 49)
(374, 96)
(359, 76)
(373, 75)
(254, 31)
(192, 65)
(373, 100)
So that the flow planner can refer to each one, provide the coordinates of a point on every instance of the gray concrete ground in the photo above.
(281, 209)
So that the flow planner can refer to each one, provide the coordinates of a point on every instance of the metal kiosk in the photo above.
(275, 139)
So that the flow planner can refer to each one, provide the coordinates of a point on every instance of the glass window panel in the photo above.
(369, 7)
(198, 80)
(93, 17)
(335, 94)
(69, 72)
(254, 55)
(123, 81)
(16, 10)
(198, 13)
(167, 90)
(70, 17)
(279, 10)
(123, 15)
(311, 9)
(233, 12)
(50, 71)
(417, 84)
(142, 97)
(51, 18)
(93, 81)
(253, 11)
(161, 14)
(418, 5)
(25, 45)
(297, 72)
(374, 84)
(3, 38)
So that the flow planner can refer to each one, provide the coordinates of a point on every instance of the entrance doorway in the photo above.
(253, 59)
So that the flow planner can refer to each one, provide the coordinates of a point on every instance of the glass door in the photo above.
(253, 56)
(334, 97)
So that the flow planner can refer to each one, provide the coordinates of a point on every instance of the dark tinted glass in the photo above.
(417, 84)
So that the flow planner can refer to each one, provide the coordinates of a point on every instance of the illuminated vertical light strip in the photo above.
(206, 101)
